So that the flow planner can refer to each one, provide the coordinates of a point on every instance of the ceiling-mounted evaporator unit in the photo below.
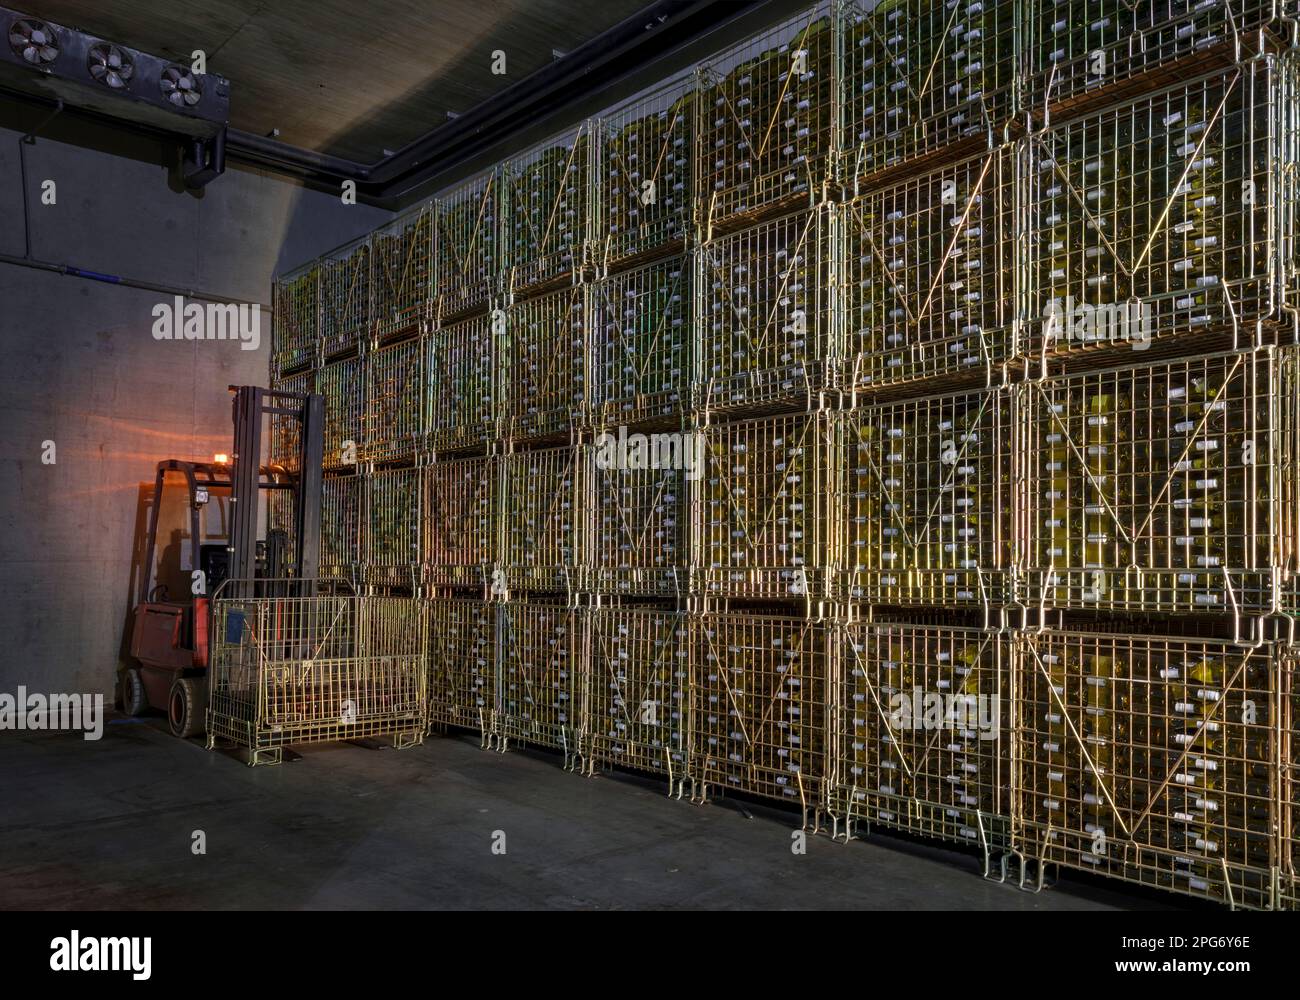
(48, 60)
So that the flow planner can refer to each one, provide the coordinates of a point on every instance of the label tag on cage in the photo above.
(234, 627)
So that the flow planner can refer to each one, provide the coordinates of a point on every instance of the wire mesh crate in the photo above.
(462, 641)
(295, 319)
(645, 197)
(1289, 883)
(637, 493)
(1077, 48)
(1165, 217)
(395, 401)
(766, 317)
(403, 255)
(638, 707)
(927, 501)
(460, 521)
(1150, 759)
(759, 714)
(340, 526)
(921, 732)
(541, 676)
(919, 76)
(546, 352)
(343, 386)
(345, 298)
(468, 245)
(641, 355)
(390, 541)
(1157, 488)
(928, 284)
(463, 387)
(762, 516)
(766, 119)
(290, 670)
(549, 197)
(542, 519)
(286, 430)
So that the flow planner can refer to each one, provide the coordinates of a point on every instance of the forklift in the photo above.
(169, 633)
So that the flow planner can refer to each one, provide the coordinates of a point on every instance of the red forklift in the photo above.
(169, 633)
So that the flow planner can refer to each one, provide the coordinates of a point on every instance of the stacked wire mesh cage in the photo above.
(896, 417)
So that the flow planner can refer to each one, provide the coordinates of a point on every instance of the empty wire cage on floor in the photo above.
(759, 714)
(1150, 759)
(766, 120)
(926, 505)
(468, 245)
(460, 522)
(1158, 488)
(548, 202)
(921, 732)
(928, 284)
(766, 319)
(638, 705)
(463, 383)
(462, 644)
(645, 197)
(340, 527)
(311, 669)
(541, 676)
(395, 402)
(542, 519)
(390, 539)
(919, 76)
(635, 490)
(295, 319)
(1164, 217)
(763, 510)
(403, 260)
(1076, 48)
(641, 351)
(546, 362)
(345, 298)
(343, 386)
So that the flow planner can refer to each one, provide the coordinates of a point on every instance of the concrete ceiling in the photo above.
(342, 77)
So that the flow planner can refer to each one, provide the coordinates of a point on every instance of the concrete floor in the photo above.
(109, 825)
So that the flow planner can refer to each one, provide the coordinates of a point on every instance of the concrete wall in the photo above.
(79, 366)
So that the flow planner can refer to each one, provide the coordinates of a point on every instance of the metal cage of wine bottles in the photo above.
(463, 391)
(1289, 883)
(295, 320)
(762, 509)
(285, 429)
(343, 386)
(548, 194)
(641, 355)
(645, 194)
(929, 275)
(1158, 488)
(921, 731)
(292, 670)
(541, 681)
(402, 254)
(340, 526)
(346, 314)
(467, 239)
(765, 123)
(925, 501)
(462, 650)
(541, 526)
(460, 530)
(759, 713)
(390, 538)
(638, 705)
(765, 320)
(394, 428)
(545, 364)
(919, 76)
(1150, 759)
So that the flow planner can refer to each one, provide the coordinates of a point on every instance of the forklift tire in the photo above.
(134, 701)
(187, 706)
